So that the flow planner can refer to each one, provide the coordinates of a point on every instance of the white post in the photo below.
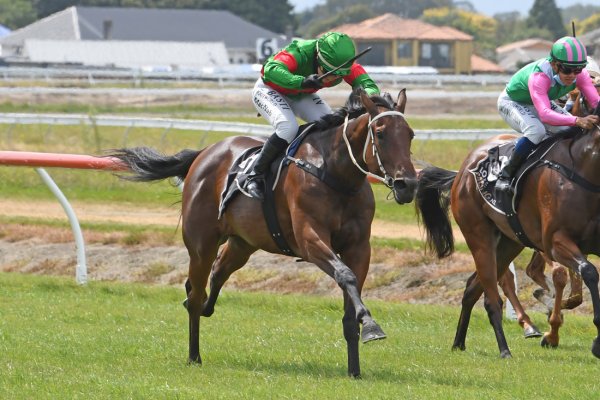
(81, 268)
(510, 311)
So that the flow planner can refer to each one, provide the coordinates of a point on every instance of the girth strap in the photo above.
(515, 224)
(572, 175)
(270, 212)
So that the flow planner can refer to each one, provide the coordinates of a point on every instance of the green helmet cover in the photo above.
(335, 49)
(569, 51)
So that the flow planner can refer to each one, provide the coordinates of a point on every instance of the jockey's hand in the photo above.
(573, 94)
(587, 122)
(312, 82)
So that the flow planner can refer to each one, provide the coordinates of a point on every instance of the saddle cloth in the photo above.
(242, 166)
(487, 170)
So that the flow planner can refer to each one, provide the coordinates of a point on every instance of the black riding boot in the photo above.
(508, 172)
(255, 184)
(523, 147)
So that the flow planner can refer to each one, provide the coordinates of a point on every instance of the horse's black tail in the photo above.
(432, 201)
(146, 164)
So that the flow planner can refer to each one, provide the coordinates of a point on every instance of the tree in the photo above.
(544, 14)
(16, 13)
(512, 27)
(354, 14)
(323, 17)
(482, 28)
(589, 24)
(579, 12)
(275, 15)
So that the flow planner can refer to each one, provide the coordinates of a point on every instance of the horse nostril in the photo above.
(399, 184)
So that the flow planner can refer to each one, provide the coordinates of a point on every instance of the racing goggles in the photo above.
(569, 70)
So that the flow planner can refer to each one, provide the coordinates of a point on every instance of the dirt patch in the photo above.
(405, 276)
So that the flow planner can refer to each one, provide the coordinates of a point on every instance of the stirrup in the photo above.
(503, 186)
(254, 186)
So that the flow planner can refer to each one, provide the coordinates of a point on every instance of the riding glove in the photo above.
(312, 82)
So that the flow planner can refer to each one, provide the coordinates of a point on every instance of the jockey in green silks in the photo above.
(288, 88)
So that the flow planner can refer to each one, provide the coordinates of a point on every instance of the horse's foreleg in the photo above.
(566, 252)
(351, 329)
(589, 273)
(351, 280)
(318, 251)
(559, 278)
(507, 283)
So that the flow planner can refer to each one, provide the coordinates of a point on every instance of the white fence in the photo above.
(213, 126)
(233, 73)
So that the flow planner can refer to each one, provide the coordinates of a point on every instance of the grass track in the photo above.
(109, 340)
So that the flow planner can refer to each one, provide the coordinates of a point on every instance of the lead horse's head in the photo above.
(387, 139)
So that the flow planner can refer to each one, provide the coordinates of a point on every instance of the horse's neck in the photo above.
(336, 153)
(585, 152)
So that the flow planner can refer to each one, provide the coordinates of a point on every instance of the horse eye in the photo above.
(379, 133)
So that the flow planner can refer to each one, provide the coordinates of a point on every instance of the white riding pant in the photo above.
(281, 110)
(525, 119)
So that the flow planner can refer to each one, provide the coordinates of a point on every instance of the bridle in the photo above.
(387, 179)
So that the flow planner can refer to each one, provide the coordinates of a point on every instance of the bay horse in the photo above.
(551, 290)
(558, 212)
(325, 224)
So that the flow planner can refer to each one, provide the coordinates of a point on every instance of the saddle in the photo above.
(487, 170)
(242, 167)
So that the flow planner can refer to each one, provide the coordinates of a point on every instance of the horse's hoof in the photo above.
(207, 311)
(531, 332)
(539, 294)
(596, 347)
(371, 331)
(505, 354)
(545, 343)
(195, 361)
(461, 347)
(354, 375)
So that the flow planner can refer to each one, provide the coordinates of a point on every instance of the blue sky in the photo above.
(488, 7)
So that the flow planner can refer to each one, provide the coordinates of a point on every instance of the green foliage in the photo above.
(512, 27)
(589, 24)
(579, 12)
(354, 14)
(544, 14)
(482, 28)
(116, 341)
(275, 15)
(16, 13)
(333, 13)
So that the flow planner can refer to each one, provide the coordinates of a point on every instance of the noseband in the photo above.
(387, 179)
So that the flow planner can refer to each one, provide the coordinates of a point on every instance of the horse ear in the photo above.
(401, 101)
(368, 103)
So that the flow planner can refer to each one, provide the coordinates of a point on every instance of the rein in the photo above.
(387, 180)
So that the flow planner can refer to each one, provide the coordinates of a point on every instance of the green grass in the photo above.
(108, 341)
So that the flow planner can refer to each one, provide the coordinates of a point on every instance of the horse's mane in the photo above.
(353, 108)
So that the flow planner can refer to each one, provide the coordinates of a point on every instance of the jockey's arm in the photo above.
(539, 85)
(586, 86)
(359, 77)
(280, 71)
